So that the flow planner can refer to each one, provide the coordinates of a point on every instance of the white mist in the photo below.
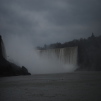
(21, 51)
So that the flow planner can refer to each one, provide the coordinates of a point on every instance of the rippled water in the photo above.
(77, 86)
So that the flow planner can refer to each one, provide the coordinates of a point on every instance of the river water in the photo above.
(76, 86)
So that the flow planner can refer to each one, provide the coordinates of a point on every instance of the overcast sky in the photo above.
(50, 21)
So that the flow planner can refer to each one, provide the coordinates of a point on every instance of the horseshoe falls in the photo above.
(64, 57)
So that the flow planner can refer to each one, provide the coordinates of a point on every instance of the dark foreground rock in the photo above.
(7, 68)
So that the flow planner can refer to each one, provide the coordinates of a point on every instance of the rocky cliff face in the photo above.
(7, 68)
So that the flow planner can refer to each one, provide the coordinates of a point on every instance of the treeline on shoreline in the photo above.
(89, 51)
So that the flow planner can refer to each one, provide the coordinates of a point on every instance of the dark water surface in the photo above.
(77, 86)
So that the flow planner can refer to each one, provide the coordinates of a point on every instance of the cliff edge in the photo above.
(7, 68)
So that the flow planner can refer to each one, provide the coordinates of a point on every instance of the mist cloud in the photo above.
(21, 51)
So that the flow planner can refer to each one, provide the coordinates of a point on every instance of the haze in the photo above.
(21, 51)
(26, 24)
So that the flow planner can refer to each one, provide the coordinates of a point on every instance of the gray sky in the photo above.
(50, 21)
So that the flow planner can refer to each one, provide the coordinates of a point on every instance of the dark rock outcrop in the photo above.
(24, 71)
(7, 68)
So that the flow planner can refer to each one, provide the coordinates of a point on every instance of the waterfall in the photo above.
(66, 55)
